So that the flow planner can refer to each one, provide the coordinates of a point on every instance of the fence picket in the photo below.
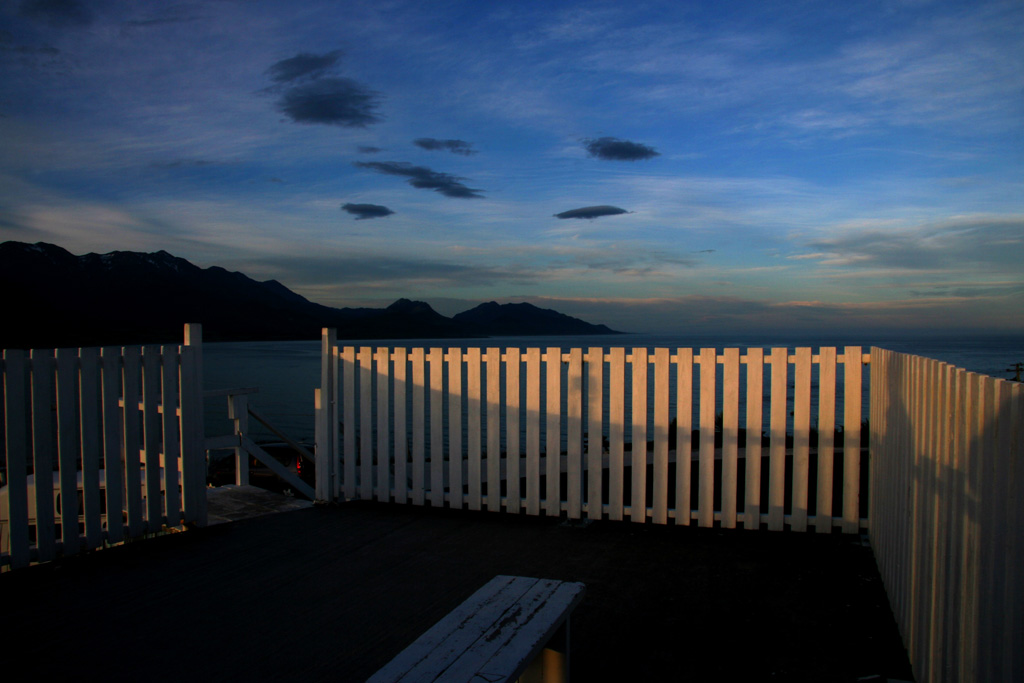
(990, 542)
(17, 441)
(419, 432)
(42, 445)
(660, 469)
(513, 449)
(826, 438)
(730, 435)
(493, 377)
(436, 361)
(401, 486)
(801, 437)
(852, 366)
(350, 427)
(455, 398)
(383, 488)
(89, 444)
(638, 452)
(940, 549)
(1014, 558)
(474, 441)
(151, 440)
(67, 449)
(132, 447)
(574, 434)
(954, 513)
(752, 446)
(365, 422)
(777, 440)
(684, 438)
(171, 441)
(533, 431)
(706, 466)
(553, 433)
(595, 432)
(616, 427)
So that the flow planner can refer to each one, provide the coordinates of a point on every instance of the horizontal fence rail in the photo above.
(947, 515)
(669, 436)
(99, 446)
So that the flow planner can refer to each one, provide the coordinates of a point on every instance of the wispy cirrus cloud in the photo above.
(994, 243)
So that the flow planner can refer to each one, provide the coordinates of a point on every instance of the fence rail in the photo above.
(947, 514)
(99, 445)
(640, 435)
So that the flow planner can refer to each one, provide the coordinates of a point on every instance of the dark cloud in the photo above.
(368, 149)
(454, 146)
(364, 211)
(303, 66)
(613, 149)
(424, 178)
(332, 101)
(591, 212)
(57, 12)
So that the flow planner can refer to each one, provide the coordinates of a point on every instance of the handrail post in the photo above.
(326, 398)
(238, 411)
(193, 461)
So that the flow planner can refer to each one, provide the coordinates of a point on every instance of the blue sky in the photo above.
(655, 166)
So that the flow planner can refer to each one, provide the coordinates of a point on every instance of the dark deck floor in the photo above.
(332, 593)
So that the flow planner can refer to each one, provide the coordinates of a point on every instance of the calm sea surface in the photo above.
(286, 373)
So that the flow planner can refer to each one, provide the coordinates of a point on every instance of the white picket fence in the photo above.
(563, 431)
(947, 515)
(100, 445)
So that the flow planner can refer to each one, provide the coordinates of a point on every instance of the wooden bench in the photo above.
(511, 625)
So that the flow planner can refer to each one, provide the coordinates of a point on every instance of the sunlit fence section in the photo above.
(99, 446)
(947, 515)
(672, 436)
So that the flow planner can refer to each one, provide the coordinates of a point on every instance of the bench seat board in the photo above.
(492, 636)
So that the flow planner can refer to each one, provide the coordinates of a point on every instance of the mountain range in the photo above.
(53, 298)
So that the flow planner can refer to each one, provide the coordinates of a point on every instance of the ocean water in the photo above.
(286, 373)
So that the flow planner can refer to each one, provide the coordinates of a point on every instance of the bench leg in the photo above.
(552, 663)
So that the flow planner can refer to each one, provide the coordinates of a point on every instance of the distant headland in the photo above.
(54, 298)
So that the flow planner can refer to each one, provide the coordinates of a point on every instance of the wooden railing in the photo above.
(240, 441)
(100, 445)
(947, 515)
(648, 435)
